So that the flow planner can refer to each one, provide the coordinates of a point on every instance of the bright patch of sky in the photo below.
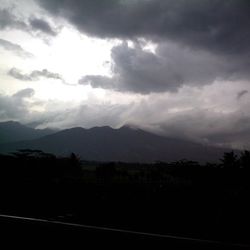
(70, 54)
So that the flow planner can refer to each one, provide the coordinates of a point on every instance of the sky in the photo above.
(176, 68)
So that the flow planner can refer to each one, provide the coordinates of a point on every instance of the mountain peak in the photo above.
(101, 128)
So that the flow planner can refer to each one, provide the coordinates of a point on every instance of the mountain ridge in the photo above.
(122, 144)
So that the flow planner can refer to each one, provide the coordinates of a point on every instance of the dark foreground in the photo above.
(208, 203)
(30, 232)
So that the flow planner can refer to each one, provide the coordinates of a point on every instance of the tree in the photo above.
(75, 160)
(230, 160)
(245, 159)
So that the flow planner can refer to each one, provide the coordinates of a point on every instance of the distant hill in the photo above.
(124, 144)
(11, 131)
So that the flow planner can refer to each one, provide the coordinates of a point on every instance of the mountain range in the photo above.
(105, 144)
(12, 131)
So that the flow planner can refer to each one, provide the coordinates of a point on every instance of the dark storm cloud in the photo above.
(135, 70)
(33, 25)
(15, 48)
(221, 26)
(170, 67)
(8, 20)
(198, 41)
(42, 25)
(209, 39)
(34, 75)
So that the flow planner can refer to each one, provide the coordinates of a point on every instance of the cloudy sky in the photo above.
(175, 67)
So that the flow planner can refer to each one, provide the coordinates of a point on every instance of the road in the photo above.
(36, 232)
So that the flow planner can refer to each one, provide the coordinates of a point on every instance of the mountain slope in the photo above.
(11, 131)
(124, 144)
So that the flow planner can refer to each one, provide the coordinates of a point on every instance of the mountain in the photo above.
(124, 144)
(11, 131)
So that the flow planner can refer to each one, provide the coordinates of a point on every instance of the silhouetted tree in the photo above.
(245, 159)
(26, 153)
(230, 160)
(75, 160)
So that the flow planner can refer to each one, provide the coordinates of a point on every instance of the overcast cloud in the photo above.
(15, 107)
(200, 115)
